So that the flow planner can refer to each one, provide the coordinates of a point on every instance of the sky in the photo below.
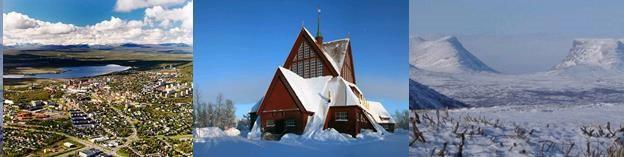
(517, 36)
(240, 45)
(97, 21)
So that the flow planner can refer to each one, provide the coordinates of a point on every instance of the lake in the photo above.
(76, 72)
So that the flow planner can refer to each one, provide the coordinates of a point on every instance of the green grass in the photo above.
(60, 144)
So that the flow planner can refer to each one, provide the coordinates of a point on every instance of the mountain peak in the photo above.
(604, 53)
(445, 54)
(449, 38)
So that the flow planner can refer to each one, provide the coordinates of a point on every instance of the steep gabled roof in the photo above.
(333, 51)
(305, 35)
(337, 51)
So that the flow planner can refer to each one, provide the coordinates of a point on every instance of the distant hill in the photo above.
(446, 54)
(176, 48)
(604, 53)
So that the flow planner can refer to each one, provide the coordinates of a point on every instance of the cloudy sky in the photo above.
(518, 36)
(247, 42)
(97, 21)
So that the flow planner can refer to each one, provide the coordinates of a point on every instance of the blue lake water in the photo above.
(76, 72)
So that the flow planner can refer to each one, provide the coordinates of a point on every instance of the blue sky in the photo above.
(77, 12)
(97, 21)
(240, 45)
(517, 36)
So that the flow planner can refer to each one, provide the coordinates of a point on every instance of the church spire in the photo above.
(319, 36)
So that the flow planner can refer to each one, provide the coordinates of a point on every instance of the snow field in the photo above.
(547, 130)
(326, 143)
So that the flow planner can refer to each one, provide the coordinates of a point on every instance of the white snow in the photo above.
(232, 132)
(574, 85)
(589, 74)
(331, 135)
(214, 132)
(326, 144)
(209, 132)
(337, 51)
(379, 111)
(605, 53)
(555, 127)
(585, 90)
(446, 54)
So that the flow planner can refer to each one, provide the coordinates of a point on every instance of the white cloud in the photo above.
(159, 25)
(15, 20)
(165, 18)
(129, 5)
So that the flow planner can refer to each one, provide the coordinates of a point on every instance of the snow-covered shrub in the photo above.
(232, 132)
(209, 132)
(367, 134)
(331, 135)
(290, 138)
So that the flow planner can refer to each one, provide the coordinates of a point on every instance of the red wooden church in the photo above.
(316, 89)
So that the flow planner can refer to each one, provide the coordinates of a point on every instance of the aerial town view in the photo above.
(118, 87)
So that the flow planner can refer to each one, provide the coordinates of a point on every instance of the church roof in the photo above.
(335, 51)
(317, 94)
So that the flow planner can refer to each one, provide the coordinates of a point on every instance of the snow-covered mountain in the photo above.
(604, 53)
(446, 54)
(423, 97)
(592, 73)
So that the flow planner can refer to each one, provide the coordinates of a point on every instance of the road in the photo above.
(87, 144)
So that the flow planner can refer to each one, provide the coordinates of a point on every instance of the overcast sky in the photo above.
(518, 36)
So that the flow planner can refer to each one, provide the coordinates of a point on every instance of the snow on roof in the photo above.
(343, 95)
(309, 34)
(256, 106)
(309, 91)
(337, 51)
(320, 90)
(377, 111)
(317, 94)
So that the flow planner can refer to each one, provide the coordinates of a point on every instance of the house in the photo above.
(69, 145)
(89, 152)
(24, 116)
(316, 89)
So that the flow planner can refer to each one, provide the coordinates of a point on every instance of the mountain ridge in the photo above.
(604, 53)
(445, 54)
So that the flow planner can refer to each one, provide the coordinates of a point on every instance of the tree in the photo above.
(244, 123)
(402, 119)
(229, 115)
(221, 113)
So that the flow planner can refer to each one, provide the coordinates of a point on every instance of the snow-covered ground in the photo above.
(573, 86)
(576, 105)
(328, 143)
(527, 130)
